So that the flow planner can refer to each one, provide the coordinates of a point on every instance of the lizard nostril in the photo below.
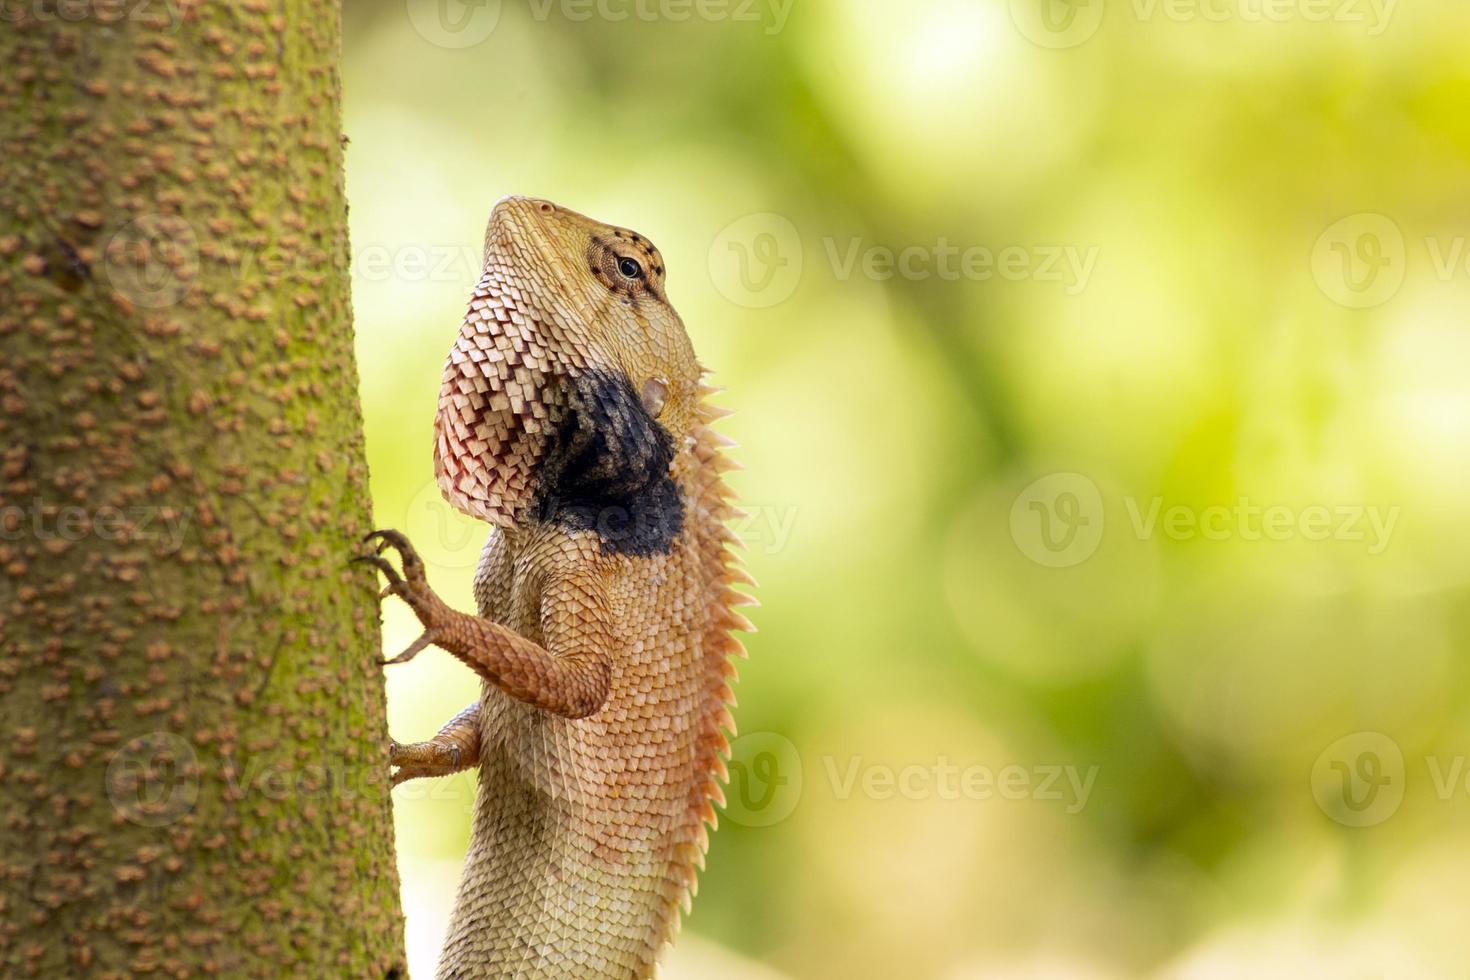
(546, 207)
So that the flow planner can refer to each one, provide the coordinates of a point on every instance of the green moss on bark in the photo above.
(192, 765)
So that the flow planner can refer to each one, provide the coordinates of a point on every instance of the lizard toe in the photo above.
(384, 566)
(413, 650)
(413, 565)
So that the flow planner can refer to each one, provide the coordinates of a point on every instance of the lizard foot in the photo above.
(401, 768)
(435, 757)
(412, 586)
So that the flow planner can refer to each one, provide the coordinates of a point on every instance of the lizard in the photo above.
(575, 419)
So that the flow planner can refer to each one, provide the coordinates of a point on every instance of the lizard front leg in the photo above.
(455, 748)
(570, 676)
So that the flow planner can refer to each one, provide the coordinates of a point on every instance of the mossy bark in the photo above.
(192, 740)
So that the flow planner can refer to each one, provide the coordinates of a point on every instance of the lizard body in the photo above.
(573, 418)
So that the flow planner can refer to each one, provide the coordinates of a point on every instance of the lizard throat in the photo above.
(607, 470)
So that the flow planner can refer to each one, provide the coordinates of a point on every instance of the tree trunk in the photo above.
(192, 742)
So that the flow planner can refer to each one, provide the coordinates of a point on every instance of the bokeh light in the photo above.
(1103, 390)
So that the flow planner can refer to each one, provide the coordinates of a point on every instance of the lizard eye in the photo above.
(629, 268)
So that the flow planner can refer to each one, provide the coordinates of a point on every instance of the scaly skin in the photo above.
(572, 419)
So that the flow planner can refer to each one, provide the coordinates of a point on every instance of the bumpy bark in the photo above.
(192, 740)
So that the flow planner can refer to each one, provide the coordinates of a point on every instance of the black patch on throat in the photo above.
(607, 470)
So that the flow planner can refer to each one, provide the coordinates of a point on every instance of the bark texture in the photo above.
(193, 766)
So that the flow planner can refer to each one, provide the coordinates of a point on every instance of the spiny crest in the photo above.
(723, 570)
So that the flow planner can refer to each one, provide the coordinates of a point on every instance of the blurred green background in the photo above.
(1103, 387)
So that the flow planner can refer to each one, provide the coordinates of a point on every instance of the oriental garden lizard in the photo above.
(573, 419)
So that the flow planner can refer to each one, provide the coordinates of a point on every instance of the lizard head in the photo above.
(572, 377)
(609, 287)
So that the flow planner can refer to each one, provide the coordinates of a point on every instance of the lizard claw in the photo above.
(384, 566)
(413, 565)
(412, 585)
(413, 650)
(395, 750)
(405, 773)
